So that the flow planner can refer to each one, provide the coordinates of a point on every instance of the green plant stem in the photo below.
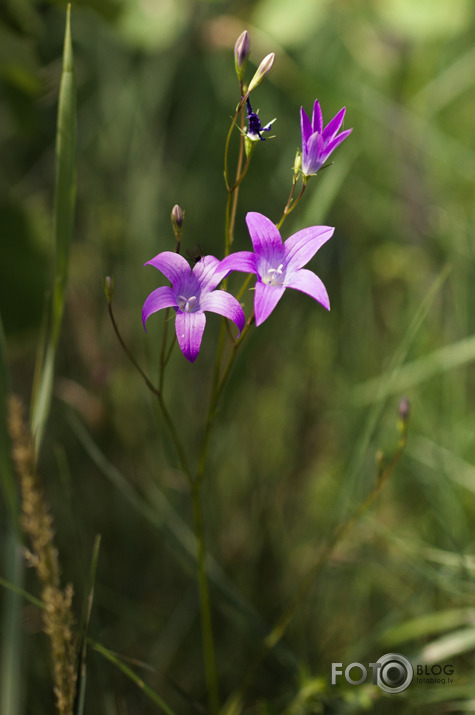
(166, 415)
(164, 354)
(205, 606)
(292, 203)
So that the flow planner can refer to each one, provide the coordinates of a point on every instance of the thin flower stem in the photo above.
(234, 190)
(205, 607)
(228, 140)
(165, 355)
(292, 203)
(162, 351)
(166, 415)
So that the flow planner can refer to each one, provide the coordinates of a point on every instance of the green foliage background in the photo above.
(313, 395)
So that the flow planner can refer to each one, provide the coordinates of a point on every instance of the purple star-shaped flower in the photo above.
(192, 292)
(254, 125)
(318, 143)
(279, 265)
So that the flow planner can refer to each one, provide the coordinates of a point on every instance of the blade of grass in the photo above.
(21, 592)
(154, 697)
(81, 681)
(64, 202)
(12, 640)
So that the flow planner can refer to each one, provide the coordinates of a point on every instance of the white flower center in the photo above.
(187, 305)
(274, 276)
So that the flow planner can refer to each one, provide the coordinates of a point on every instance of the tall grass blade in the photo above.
(81, 681)
(151, 694)
(11, 648)
(64, 202)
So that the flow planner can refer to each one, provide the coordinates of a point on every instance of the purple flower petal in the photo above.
(266, 298)
(307, 282)
(224, 304)
(304, 244)
(333, 127)
(319, 142)
(208, 273)
(265, 237)
(189, 329)
(159, 298)
(317, 119)
(305, 126)
(315, 156)
(172, 265)
(244, 261)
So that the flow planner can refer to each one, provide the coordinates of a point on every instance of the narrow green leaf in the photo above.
(11, 647)
(64, 203)
(154, 697)
(81, 681)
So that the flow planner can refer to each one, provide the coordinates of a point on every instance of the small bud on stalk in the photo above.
(241, 53)
(262, 71)
(177, 217)
(297, 163)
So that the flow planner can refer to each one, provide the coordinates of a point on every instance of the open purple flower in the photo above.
(318, 143)
(279, 265)
(192, 292)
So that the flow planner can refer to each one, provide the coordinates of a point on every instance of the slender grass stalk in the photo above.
(12, 641)
(78, 708)
(151, 694)
(38, 526)
(64, 203)
(21, 592)
(205, 607)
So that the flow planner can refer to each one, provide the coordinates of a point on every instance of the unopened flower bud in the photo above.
(109, 288)
(404, 409)
(241, 53)
(262, 71)
(297, 163)
(177, 217)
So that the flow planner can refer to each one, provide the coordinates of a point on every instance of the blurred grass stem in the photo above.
(64, 204)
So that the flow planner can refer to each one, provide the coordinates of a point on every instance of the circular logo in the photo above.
(395, 674)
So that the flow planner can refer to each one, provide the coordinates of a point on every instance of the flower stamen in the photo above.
(273, 276)
(187, 305)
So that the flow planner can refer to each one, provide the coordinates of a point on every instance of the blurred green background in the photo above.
(313, 396)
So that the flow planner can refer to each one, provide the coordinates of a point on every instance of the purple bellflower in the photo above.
(279, 265)
(318, 143)
(192, 292)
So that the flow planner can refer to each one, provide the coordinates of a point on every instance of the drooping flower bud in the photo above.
(241, 53)
(262, 71)
(177, 217)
